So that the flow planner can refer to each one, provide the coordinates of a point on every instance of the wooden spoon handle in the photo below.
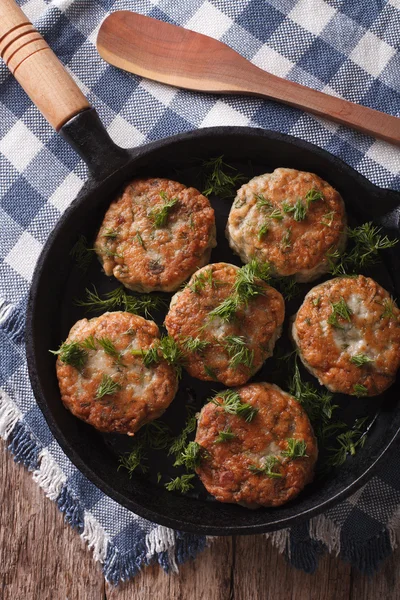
(367, 120)
(37, 68)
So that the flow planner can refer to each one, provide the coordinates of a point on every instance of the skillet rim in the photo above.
(66, 446)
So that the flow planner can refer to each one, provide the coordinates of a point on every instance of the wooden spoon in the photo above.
(190, 60)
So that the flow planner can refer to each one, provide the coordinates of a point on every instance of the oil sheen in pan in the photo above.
(192, 392)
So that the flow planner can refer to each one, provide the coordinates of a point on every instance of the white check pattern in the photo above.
(347, 48)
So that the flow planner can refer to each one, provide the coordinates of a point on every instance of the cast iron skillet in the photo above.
(57, 281)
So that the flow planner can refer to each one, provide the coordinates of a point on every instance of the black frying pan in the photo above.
(57, 281)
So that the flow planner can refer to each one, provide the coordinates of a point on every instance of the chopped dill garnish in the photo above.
(111, 253)
(276, 214)
(190, 457)
(263, 231)
(298, 209)
(111, 234)
(262, 201)
(360, 390)
(220, 178)
(82, 254)
(89, 343)
(238, 351)
(110, 349)
(210, 372)
(313, 195)
(160, 215)
(286, 242)
(180, 484)
(225, 436)
(119, 299)
(295, 449)
(179, 442)
(159, 477)
(134, 460)
(191, 222)
(139, 239)
(388, 309)
(270, 463)
(348, 442)
(107, 386)
(155, 435)
(191, 344)
(288, 286)
(367, 241)
(72, 354)
(327, 219)
(232, 404)
(339, 309)
(360, 359)
(165, 348)
(201, 280)
(317, 301)
(245, 287)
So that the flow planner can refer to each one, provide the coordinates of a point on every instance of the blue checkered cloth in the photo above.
(348, 48)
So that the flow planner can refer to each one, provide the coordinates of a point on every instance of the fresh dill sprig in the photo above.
(134, 460)
(298, 209)
(155, 435)
(288, 287)
(238, 351)
(388, 309)
(270, 463)
(227, 309)
(360, 359)
(111, 234)
(286, 241)
(165, 348)
(111, 253)
(262, 231)
(201, 280)
(82, 254)
(262, 201)
(295, 449)
(89, 343)
(327, 219)
(107, 386)
(180, 484)
(210, 372)
(276, 214)
(225, 436)
(179, 443)
(139, 239)
(221, 179)
(191, 344)
(71, 354)
(232, 404)
(348, 442)
(109, 348)
(119, 299)
(339, 309)
(190, 457)
(312, 196)
(367, 241)
(159, 215)
(360, 390)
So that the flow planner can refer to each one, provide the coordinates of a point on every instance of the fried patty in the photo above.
(216, 350)
(348, 335)
(248, 465)
(156, 234)
(138, 394)
(290, 219)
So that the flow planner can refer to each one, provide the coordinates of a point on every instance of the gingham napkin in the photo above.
(347, 48)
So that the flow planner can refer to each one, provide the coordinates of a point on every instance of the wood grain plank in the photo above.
(206, 578)
(261, 573)
(385, 584)
(41, 557)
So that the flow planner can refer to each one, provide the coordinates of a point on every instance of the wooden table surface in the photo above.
(42, 558)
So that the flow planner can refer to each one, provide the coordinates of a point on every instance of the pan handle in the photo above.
(55, 93)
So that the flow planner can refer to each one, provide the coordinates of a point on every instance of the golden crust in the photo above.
(326, 350)
(146, 258)
(302, 251)
(259, 323)
(145, 393)
(224, 468)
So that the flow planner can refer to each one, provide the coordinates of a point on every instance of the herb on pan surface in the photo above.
(82, 254)
(180, 441)
(295, 449)
(270, 463)
(287, 286)
(348, 443)
(221, 179)
(189, 457)
(159, 215)
(225, 436)
(107, 386)
(180, 484)
(119, 299)
(155, 435)
(360, 359)
(72, 354)
(134, 460)
(232, 404)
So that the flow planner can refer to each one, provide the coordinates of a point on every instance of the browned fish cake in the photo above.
(290, 219)
(348, 335)
(140, 394)
(229, 352)
(249, 465)
(150, 247)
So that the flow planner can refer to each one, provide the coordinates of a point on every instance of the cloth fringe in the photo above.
(95, 537)
(280, 539)
(326, 531)
(23, 447)
(394, 528)
(120, 566)
(367, 557)
(9, 415)
(49, 475)
(12, 321)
